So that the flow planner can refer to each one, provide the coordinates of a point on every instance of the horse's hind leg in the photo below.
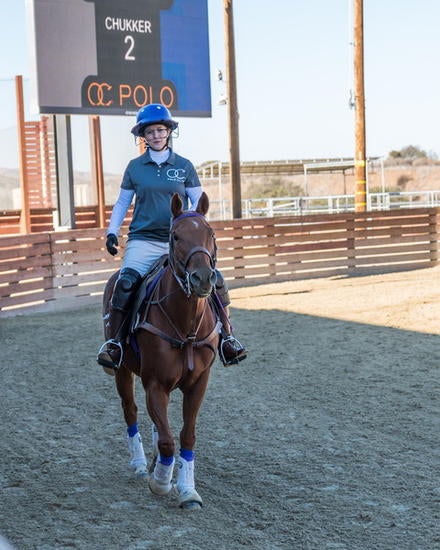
(125, 385)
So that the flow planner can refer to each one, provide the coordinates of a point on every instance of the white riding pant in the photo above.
(141, 255)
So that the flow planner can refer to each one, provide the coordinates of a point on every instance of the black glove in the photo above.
(111, 243)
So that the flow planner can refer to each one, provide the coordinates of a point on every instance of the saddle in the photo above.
(145, 291)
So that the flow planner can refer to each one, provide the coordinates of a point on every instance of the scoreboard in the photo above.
(114, 56)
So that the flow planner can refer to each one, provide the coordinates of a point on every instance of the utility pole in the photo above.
(234, 144)
(25, 216)
(360, 163)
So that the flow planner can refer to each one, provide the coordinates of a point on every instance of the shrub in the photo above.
(402, 181)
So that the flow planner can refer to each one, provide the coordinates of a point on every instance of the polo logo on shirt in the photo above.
(176, 174)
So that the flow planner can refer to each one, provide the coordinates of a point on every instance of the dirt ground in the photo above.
(327, 437)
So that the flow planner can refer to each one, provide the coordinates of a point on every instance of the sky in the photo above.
(294, 74)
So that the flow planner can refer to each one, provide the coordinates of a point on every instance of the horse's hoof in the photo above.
(189, 499)
(158, 488)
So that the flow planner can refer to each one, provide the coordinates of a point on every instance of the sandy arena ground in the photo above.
(327, 437)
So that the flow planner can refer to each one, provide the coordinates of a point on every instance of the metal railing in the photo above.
(326, 204)
(403, 199)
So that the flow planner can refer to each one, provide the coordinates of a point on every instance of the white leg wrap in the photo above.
(185, 487)
(137, 455)
(185, 474)
(160, 480)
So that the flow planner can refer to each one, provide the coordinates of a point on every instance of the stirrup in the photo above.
(107, 364)
(236, 344)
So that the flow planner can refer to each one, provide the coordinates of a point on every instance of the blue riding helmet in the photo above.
(155, 113)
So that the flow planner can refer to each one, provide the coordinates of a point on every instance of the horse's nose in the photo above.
(202, 281)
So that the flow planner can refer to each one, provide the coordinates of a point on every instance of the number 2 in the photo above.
(129, 40)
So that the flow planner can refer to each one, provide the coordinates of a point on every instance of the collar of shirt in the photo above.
(146, 158)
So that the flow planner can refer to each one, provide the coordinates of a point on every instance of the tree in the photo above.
(410, 152)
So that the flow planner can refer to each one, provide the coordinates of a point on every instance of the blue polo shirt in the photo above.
(154, 186)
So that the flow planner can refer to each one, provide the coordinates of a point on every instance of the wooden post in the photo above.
(25, 217)
(234, 147)
(434, 224)
(360, 164)
(97, 167)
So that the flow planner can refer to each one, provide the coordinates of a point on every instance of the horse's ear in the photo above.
(176, 205)
(203, 204)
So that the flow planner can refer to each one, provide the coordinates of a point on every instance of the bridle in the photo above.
(179, 267)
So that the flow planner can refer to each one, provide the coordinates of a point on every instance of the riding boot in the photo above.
(231, 351)
(110, 355)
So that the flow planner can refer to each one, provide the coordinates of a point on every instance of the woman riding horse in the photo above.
(173, 345)
(153, 177)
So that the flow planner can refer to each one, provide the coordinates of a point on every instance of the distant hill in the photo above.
(10, 185)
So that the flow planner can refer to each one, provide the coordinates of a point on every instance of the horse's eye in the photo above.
(175, 237)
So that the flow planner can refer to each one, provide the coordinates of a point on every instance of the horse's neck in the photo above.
(184, 311)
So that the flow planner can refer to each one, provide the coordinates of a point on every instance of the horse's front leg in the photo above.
(157, 404)
(125, 387)
(193, 396)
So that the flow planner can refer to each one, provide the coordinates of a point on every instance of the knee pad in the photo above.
(221, 289)
(126, 285)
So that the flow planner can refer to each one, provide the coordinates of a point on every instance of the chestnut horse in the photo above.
(175, 345)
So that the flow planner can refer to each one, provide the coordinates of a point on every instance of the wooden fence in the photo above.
(40, 163)
(67, 269)
(42, 219)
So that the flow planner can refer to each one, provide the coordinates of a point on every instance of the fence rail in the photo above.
(44, 219)
(296, 206)
(66, 269)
